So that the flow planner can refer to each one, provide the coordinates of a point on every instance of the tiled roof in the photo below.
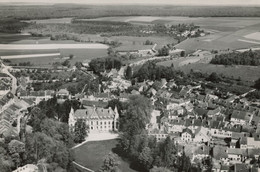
(94, 103)
(220, 152)
(253, 152)
(241, 168)
(237, 151)
(202, 150)
(94, 112)
(186, 130)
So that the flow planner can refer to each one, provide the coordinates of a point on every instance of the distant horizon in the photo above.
(136, 2)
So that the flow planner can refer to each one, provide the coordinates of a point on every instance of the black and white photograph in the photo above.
(129, 85)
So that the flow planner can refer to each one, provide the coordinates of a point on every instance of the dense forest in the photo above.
(88, 11)
(155, 72)
(99, 65)
(11, 25)
(250, 57)
(47, 144)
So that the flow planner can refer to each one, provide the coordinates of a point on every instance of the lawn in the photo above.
(91, 154)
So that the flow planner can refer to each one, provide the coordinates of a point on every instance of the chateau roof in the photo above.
(94, 113)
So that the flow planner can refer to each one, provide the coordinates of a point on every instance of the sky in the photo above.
(151, 2)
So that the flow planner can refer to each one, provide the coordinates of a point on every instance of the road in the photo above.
(14, 80)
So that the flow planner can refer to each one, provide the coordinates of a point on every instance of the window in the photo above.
(100, 123)
(97, 122)
(91, 122)
(105, 123)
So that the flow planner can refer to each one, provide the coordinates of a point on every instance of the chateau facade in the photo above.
(98, 119)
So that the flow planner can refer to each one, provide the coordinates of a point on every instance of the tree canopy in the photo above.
(250, 57)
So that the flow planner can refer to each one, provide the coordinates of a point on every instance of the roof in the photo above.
(188, 122)
(220, 152)
(94, 113)
(237, 151)
(213, 112)
(197, 122)
(94, 103)
(224, 167)
(202, 150)
(253, 152)
(241, 168)
(238, 135)
(200, 111)
(186, 130)
(63, 91)
(242, 115)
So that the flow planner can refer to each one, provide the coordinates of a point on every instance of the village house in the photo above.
(187, 135)
(240, 117)
(175, 126)
(220, 154)
(63, 94)
(37, 96)
(160, 134)
(236, 155)
(201, 152)
(202, 135)
(98, 119)
(253, 142)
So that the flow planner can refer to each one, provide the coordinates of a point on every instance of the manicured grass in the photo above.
(91, 154)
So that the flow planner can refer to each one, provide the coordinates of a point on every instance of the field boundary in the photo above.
(81, 166)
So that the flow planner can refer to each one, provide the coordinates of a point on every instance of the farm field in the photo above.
(182, 61)
(225, 32)
(91, 154)
(51, 46)
(79, 55)
(53, 20)
(246, 73)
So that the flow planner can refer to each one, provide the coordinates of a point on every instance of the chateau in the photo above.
(98, 119)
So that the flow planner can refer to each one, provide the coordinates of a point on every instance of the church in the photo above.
(97, 119)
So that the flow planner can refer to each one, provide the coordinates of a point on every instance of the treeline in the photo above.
(86, 11)
(250, 57)
(11, 25)
(155, 72)
(104, 28)
(99, 65)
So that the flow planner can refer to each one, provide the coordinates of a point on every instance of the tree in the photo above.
(129, 72)
(145, 158)
(110, 163)
(16, 150)
(214, 77)
(164, 51)
(183, 163)
(80, 132)
(168, 153)
(182, 53)
(138, 114)
(78, 65)
(257, 84)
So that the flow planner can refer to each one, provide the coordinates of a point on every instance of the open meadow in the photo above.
(246, 73)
